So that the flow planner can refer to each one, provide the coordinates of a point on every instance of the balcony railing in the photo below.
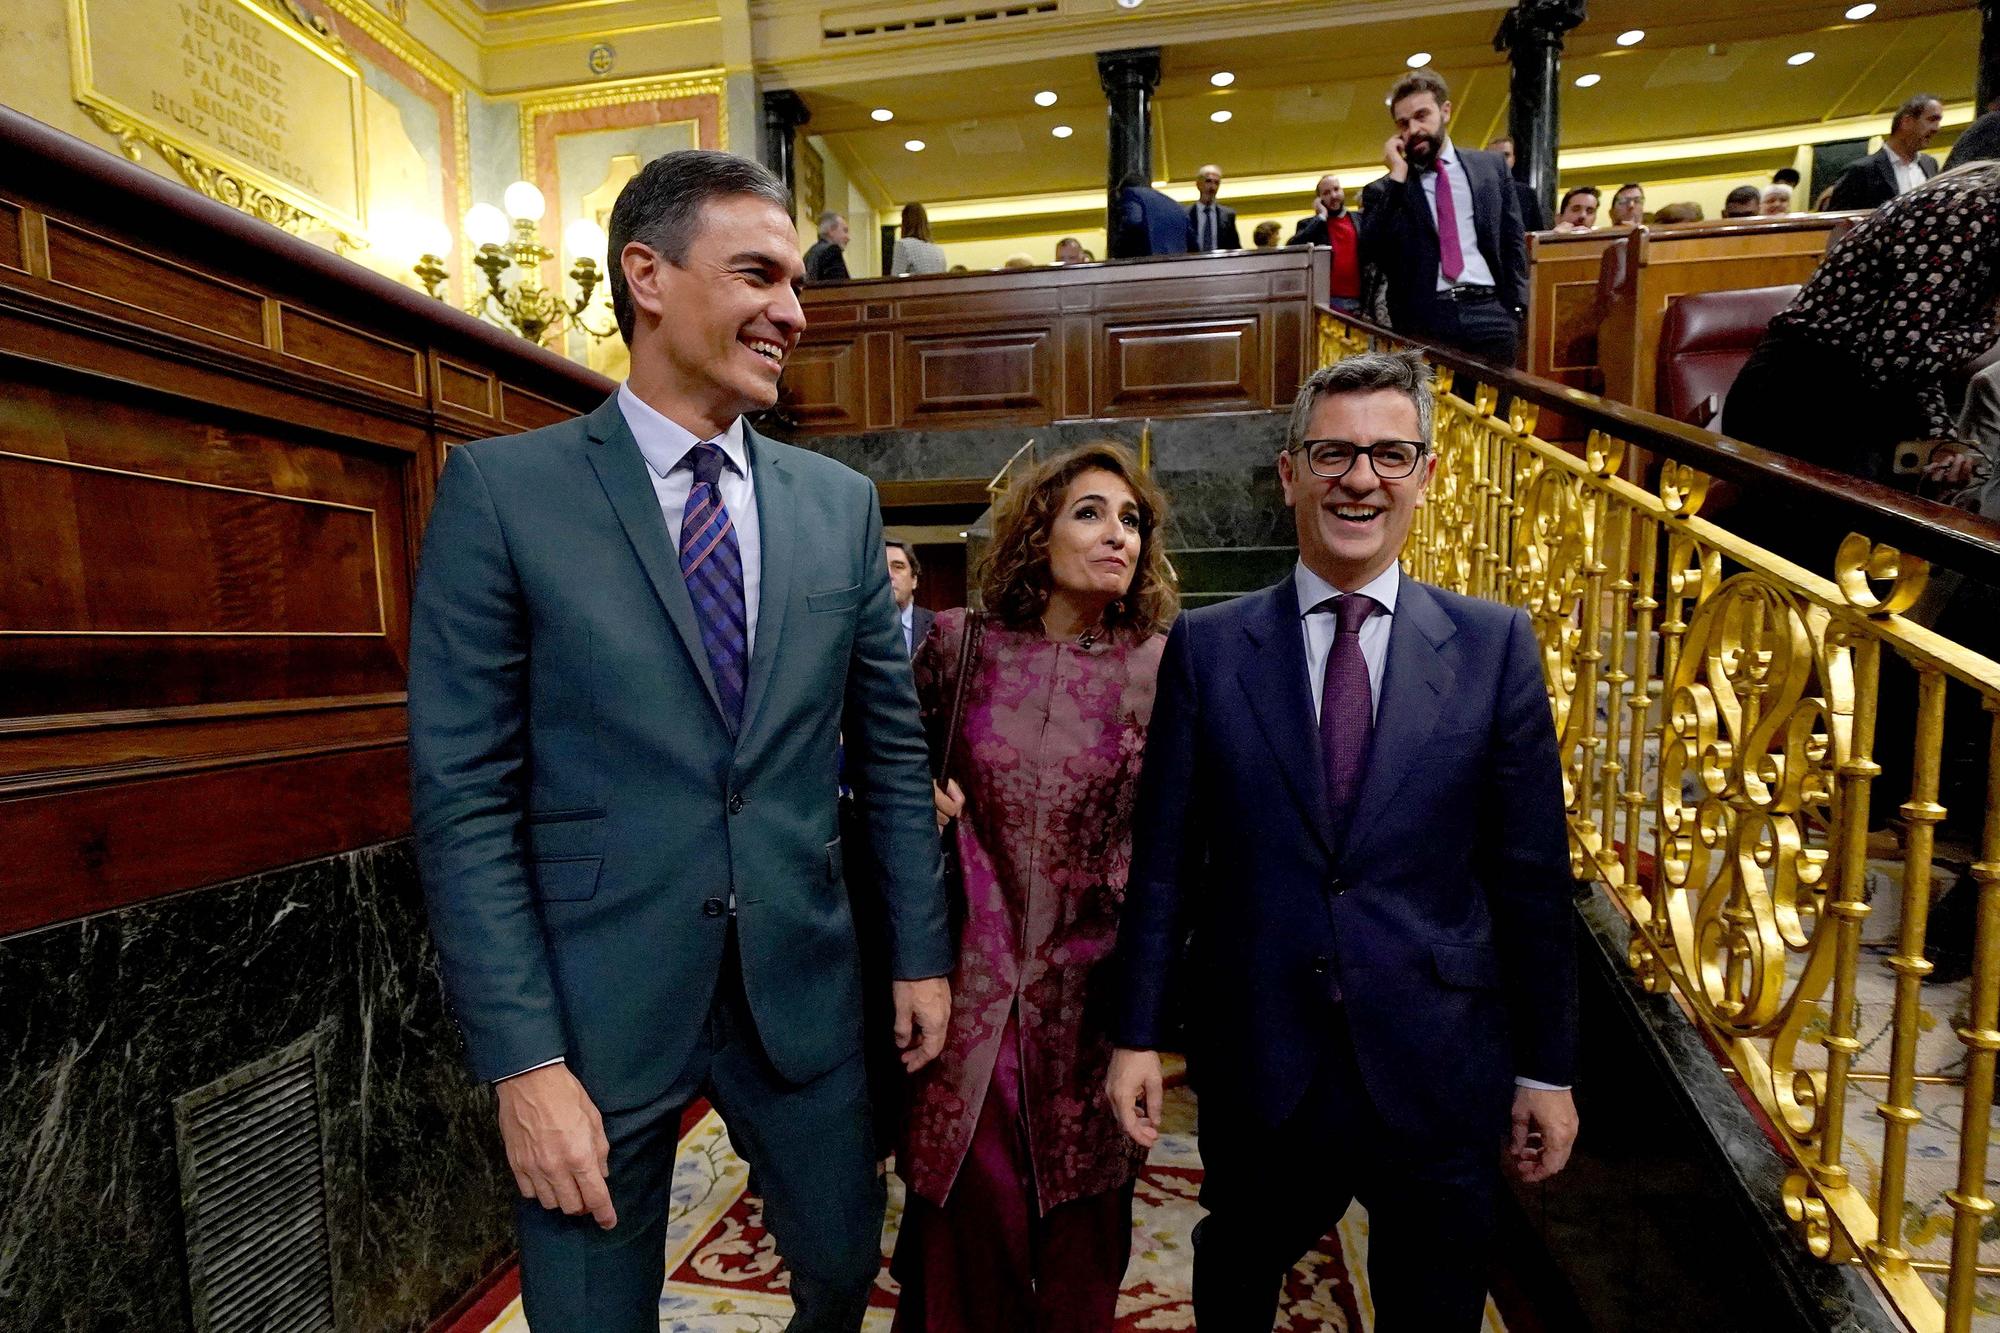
(1718, 709)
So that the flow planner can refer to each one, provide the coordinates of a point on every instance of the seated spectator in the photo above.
(1579, 209)
(1018, 261)
(1900, 164)
(827, 260)
(1689, 212)
(1069, 250)
(1148, 222)
(1332, 225)
(914, 252)
(1089, 258)
(1628, 206)
(1743, 202)
(1777, 201)
(1266, 235)
(1788, 176)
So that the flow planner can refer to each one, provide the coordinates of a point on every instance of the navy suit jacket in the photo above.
(1444, 916)
(1399, 237)
(1226, 237)
(1150, 223)
(583, 811)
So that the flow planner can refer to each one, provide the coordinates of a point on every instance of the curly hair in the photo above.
(1016, 578)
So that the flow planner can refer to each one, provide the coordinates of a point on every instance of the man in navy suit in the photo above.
(1148, 222)
(1352, 806)
(1213, 225)
(636, 639)
(1457, 260)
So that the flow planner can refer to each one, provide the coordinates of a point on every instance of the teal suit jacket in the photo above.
(582, 810)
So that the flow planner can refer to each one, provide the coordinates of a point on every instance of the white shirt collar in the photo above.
(665, 443)
(1897, 157)
(909, 614)
(1312, 589)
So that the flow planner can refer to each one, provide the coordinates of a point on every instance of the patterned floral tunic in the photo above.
(1048, 757)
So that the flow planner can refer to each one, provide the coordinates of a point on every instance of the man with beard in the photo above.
(1628, 206)
(1331, 225)
(1900, 165)
(1444, 226)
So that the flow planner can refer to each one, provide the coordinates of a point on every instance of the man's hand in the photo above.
(1951, 463)
(923, 1011)
(948, 801)
(1544, 1132)
(1392, 158)
(555, 1143)
(1136, 1088)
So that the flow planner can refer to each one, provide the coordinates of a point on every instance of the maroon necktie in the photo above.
(1346, 707)
(1451, 259)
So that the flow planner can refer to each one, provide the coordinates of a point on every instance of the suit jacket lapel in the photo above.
(777, 509)
(1414, 679)
(621, 470)
(1888, 161)
(1279, 690)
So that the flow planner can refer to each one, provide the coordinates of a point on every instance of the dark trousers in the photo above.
(1271, 1195)
(810, 1147)
(1485, 329)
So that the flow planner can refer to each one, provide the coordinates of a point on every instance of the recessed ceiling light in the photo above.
(1062, 131)
(914, 145)
(1632, 37)
(1588, 80)
(1221, 117)
(1860, 12)
(882, 113)
(1800, 58)
(1130, 4)
(1419, 60)
(1045, 98)
(1222, 78)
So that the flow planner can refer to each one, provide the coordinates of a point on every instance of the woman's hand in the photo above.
(949, 801)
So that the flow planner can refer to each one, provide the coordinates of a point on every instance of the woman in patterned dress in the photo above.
(1019, 1216)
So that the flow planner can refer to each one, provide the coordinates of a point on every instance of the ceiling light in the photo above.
(1222, 78)
(1220, 117)
(1860, 12)
(1062, 131)
(1419, 60)
(1588, 80)
(1632, 37)
(882, 113)
(914, 145)
(1800, 58)
(1045, 98)
(1130, 4)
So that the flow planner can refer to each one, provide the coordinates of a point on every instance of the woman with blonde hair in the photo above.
(1020, 1181)
(914, 252)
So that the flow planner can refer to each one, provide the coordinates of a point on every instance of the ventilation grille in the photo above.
(253, 1189)
(933, 22)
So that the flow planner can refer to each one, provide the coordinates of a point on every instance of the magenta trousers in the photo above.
(989, 1261)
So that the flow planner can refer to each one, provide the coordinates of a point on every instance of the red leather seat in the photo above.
(1706, 338)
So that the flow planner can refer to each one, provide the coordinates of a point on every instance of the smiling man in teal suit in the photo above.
(636, 639)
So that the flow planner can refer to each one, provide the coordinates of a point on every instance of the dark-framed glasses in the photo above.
(1391, 459)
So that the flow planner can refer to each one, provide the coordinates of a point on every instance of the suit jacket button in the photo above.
(1320, 965)
(1336, 886)
(714, 907)
(736, 803)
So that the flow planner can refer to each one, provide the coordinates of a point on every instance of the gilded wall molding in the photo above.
(623, 92)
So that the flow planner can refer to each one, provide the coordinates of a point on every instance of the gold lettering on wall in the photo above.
(233, 86)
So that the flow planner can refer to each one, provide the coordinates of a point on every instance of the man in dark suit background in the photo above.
(827, 260)
(1456, 260)
(1332, 225)
(1352, 808)
(1147, 222)
(1899, 165)
(1211, 226)
(1978, 141)
(636, 638)
(1533, 216)
(904, 571)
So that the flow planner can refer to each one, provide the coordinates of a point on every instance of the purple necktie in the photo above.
(1346, 708)
(713, 569)
(1451, 259)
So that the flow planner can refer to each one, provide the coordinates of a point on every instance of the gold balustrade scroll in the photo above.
(1719, 715)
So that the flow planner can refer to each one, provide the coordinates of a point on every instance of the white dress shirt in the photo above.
(1319, 629)
(664, 444)
(1476, 272)
(1909, 173)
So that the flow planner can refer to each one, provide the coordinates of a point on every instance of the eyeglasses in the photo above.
(1392, 459)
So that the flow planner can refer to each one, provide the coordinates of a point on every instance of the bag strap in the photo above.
(969, 635)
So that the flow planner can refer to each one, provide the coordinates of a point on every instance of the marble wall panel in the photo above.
(103, 1022)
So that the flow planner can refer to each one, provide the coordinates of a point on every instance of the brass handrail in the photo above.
(1717, 709)
(999, 482)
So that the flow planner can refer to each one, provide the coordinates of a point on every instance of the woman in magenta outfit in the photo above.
(1019, 1215)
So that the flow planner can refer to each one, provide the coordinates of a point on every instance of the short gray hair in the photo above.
(826, 221)
(1913, 109)
(1406, 373)
(661, 209)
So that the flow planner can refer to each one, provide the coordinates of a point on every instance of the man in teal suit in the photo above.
(636, 639)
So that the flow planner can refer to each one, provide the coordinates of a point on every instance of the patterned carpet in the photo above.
(723, 1274)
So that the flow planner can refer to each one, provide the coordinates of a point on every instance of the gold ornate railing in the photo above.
(1720, 714)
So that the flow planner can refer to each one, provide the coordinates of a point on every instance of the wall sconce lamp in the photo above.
(510, 240)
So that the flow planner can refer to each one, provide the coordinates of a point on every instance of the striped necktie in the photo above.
(713, 570)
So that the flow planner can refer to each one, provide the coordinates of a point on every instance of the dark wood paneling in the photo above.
(349, 351)
(530, 411)
(959, 375)
(1213, 362)
(463, 387)
(820, 384)
(129, 276)
(11, 252)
